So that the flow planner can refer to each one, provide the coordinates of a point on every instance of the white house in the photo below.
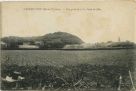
(27, 46)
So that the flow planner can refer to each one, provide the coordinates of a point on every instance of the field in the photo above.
(61, 58)
(68, 69)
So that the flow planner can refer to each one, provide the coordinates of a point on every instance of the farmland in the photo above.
(61, 58)
(80, 69)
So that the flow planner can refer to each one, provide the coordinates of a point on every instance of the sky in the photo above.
(91, 21)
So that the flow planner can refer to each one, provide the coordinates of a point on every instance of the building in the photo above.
(27, 46)
(3, 44)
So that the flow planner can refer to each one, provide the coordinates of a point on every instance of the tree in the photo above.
(12, 42)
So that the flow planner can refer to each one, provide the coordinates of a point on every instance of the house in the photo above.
(3, 44)
(27, 46)
(39, 43)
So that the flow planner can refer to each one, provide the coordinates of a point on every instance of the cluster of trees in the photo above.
(12, 42)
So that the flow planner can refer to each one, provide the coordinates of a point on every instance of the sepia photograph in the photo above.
(68, 46)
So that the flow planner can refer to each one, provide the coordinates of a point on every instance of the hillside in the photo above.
(51, 40)
(59, 40)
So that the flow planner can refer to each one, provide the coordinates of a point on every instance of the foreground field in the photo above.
(58, 70)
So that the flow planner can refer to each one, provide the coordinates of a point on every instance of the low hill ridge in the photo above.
(51, 40)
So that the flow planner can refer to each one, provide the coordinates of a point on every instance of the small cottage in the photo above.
(26, 46)
(3, 44)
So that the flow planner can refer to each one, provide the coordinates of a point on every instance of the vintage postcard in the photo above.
(68, 46)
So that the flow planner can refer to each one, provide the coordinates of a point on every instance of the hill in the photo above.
(59, 40)
(51, 40)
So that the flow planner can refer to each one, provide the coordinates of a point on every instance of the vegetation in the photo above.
(52, 40)
(79, 76)
(59, 40)
(68, 69)
(12, 42)
(60, 58)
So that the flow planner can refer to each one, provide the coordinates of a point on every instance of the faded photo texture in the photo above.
(68, 46)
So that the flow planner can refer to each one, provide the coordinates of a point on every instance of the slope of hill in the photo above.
(59, 40)
(51, 40)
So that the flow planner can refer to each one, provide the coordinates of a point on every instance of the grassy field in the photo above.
(60, 58)
(69, 70)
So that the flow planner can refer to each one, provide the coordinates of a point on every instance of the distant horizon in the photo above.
(101, 25)
(75, 35)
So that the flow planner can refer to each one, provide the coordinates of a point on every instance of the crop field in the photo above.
(67, 70)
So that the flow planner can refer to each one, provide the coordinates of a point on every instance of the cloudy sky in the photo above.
(91, 21)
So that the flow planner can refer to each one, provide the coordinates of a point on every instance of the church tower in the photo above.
(119, 39)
